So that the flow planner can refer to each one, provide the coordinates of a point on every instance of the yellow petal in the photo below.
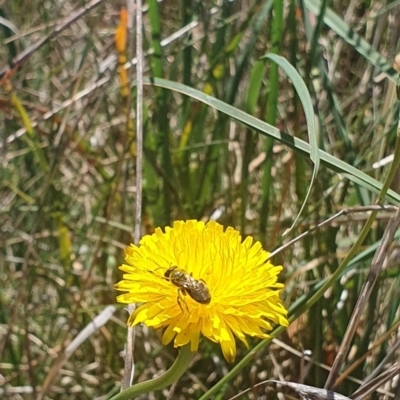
(242, 285)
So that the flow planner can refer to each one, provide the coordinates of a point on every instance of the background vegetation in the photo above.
(68, 182)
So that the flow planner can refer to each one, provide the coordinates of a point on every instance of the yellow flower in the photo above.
(197, 279)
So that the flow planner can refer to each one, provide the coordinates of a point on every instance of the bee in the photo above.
(195, 288)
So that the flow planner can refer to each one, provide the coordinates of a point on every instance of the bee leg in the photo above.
(179, 302)
(180, 299)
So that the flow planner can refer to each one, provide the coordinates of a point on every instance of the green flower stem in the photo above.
(177, 369)
(241, 364)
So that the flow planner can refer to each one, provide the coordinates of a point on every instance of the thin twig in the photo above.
(390, 353)
(92, 327)
(328, 221)
(347, 373)
(128, 368)
(373, 385)
(22, 57)
(305, 391)
(376, 266)
(98, 82)
(139, 120)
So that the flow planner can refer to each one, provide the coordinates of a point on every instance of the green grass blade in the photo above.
(306, 101)
(299, 145)
(271, 112)
(353, 39)
(254, 87)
